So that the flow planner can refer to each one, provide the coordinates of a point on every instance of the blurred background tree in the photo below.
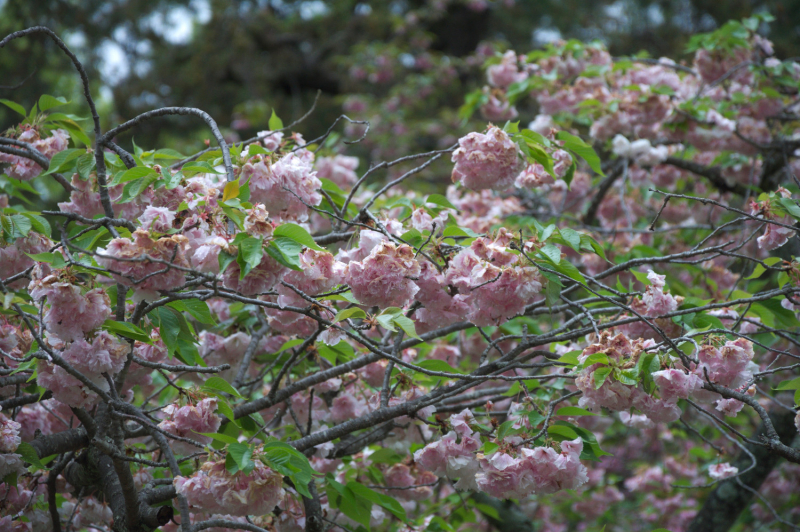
(404, 65)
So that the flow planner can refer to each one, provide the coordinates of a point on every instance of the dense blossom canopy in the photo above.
(599, 314)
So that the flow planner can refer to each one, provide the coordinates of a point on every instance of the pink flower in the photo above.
(447, 353)
(258, 280)
(285, 188)
(14, 258)
(212, 489)
(730, 365)
(340, 169)
(347, 406)
(271, 140)
(729, 407)
(656, 301)
(489, 280)
(722, 471)
(129, 260)
(489, 160)
(540, 470)
(70, 314)
(157, 219)
(383, 278)
(105, 354)
(9, 434)
(454, 460)
(675, 384)
(190, 420)
(440, 308)
(25, 169)
(506, 72)
(257, 222)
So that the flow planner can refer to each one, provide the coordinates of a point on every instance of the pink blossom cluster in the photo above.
(341, 169)
(479, 211)
(385, 278)
(453, 456)
(14, 257)
(9, 434)
(213, 489)
(286, 187)
(257, 222)
(507, 72)
(722, 471)
(488, 160)
(539, 470)
(403, 476)
(492, 281)
(190, 421)
(70, 313)
(774, 236)
(505, 473)
(655, 302)
(131, 262)
(615, 395)
(25, 169)
(319, 273)
(157, 219)
(258, 280)
(103, 354)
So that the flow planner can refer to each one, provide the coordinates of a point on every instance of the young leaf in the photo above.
(298, 234)
(218, 384)
(577, 146)
(275, 123)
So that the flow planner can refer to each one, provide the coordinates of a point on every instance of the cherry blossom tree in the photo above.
(595, 325)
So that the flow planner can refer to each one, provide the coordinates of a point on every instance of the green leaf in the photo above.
(407, 325)
(600, 376)
(29, 454)
(571, 237)
(288, 461)
(224, 438)
(48, 102)
(242, 455)
(595, 358)
(251, 250)
(286, 251)
(275, 123)
(218, 384)
(134, 173)
(86, 163)
(438, 365)
(38, 223)
(581, 149)
(75, 132)
(14, 106)
(791, 207)
(197, 309)
(562, 432)
(791, 384)
(128, 330)
(552, 252)
(298, 234)
(573, 411)
(570, 358)
(352, 312)
(438, 199)
(198, 167)
(51, 258)
(760, 269)
(60, 160)
(771, 312)
(384, 501)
